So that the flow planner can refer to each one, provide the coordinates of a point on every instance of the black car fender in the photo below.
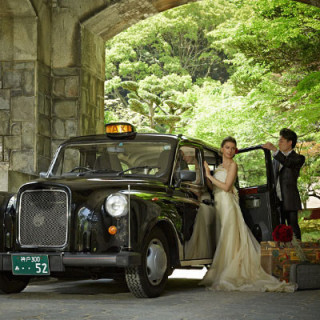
(4, 200)
(170, 232)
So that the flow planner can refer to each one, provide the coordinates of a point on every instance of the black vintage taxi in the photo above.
(123, 205)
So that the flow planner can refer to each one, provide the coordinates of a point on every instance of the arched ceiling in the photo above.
(124, 13)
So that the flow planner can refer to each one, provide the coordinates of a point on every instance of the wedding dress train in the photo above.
(236, 263)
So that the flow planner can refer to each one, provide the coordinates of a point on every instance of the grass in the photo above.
(310, 229)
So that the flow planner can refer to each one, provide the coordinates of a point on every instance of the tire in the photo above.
(12, 284)
(149, 279)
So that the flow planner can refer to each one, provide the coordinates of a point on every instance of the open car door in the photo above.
(257, 191)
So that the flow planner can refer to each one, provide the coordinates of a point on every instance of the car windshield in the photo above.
(114, 158)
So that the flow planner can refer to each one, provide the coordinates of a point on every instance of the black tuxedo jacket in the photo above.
(288, 177)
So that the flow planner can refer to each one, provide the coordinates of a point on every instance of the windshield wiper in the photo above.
(138, 167)
(97, 171)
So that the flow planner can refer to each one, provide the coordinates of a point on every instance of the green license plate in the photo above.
(30, 264)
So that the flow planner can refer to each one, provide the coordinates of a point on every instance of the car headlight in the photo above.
(116, 205)
(12, 202)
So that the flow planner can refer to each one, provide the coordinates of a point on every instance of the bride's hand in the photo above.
(207, 169)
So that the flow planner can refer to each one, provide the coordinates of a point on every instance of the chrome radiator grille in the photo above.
(43, 218)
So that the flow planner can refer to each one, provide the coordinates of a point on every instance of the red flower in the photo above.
(237, 150)
(282, 233)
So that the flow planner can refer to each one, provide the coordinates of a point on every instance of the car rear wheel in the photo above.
(149, 279)
(12, 284)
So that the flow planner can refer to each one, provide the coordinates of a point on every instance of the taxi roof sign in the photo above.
(119, 128)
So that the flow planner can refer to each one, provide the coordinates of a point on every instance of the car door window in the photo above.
(212, 158)
(189, 159)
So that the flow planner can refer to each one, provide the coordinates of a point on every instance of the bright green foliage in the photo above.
(223, 67)
(156, 102)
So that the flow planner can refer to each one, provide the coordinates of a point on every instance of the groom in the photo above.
(287, 164)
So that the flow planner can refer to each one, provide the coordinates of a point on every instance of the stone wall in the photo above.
(92, 83)
(18, 65)
(52, 62)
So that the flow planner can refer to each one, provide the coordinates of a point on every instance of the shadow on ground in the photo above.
(96, 289)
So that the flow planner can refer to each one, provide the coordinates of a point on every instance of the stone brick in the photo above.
(40, 145)
(28, 135)
(59, 131)
(71, 128)
(44, 126)
(100, 127)
(4, 167)
(23, 108)
(6, 155)
(65, 72)
(59, 87)
(12, 142)
(44, 104)
(25, 38)
(65, 109)
(43, 164)
(16, 92)
(1, 148)
(44, 83)
(92, 90)
(12, 79)
(83, 100)
(28, 82)
(16, 129)
(41, 107)
(4, 99)
(85, 79)
(44, 146)
(23, 65)
(7, 65)
(4, 122)
(22, 161)
(47, 106)
(47, 148)
(6, 38)
(72, 87)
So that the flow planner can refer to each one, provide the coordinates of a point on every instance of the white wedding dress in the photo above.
(236, 263)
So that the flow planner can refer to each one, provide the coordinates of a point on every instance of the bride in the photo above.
(236, 263)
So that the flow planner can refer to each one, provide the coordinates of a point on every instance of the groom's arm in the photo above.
(293, 162)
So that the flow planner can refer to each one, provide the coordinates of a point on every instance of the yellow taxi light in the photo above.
(116, 128)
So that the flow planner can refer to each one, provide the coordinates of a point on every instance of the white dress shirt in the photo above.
(278, 188)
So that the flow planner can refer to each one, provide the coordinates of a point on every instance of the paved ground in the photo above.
(182, 300)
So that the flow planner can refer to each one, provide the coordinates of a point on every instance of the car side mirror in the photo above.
(184, 175)
(187, 175)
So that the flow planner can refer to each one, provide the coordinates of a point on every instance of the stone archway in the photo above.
(52, 74)
(52, 62)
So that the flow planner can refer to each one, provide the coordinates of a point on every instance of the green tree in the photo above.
(252, 69)
(156, 101)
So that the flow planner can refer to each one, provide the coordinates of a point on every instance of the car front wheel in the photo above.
(12, 284)
(149, 279)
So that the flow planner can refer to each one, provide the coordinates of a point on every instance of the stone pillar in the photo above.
(52, 75)
(92, 83)
(18, 65)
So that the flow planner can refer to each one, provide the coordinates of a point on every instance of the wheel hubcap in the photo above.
(156, 262)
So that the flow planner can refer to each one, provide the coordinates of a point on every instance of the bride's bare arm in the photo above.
(231, 175)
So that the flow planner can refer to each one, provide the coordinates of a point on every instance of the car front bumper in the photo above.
(59, 261)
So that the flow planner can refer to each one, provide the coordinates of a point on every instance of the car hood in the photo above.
(95, 183)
